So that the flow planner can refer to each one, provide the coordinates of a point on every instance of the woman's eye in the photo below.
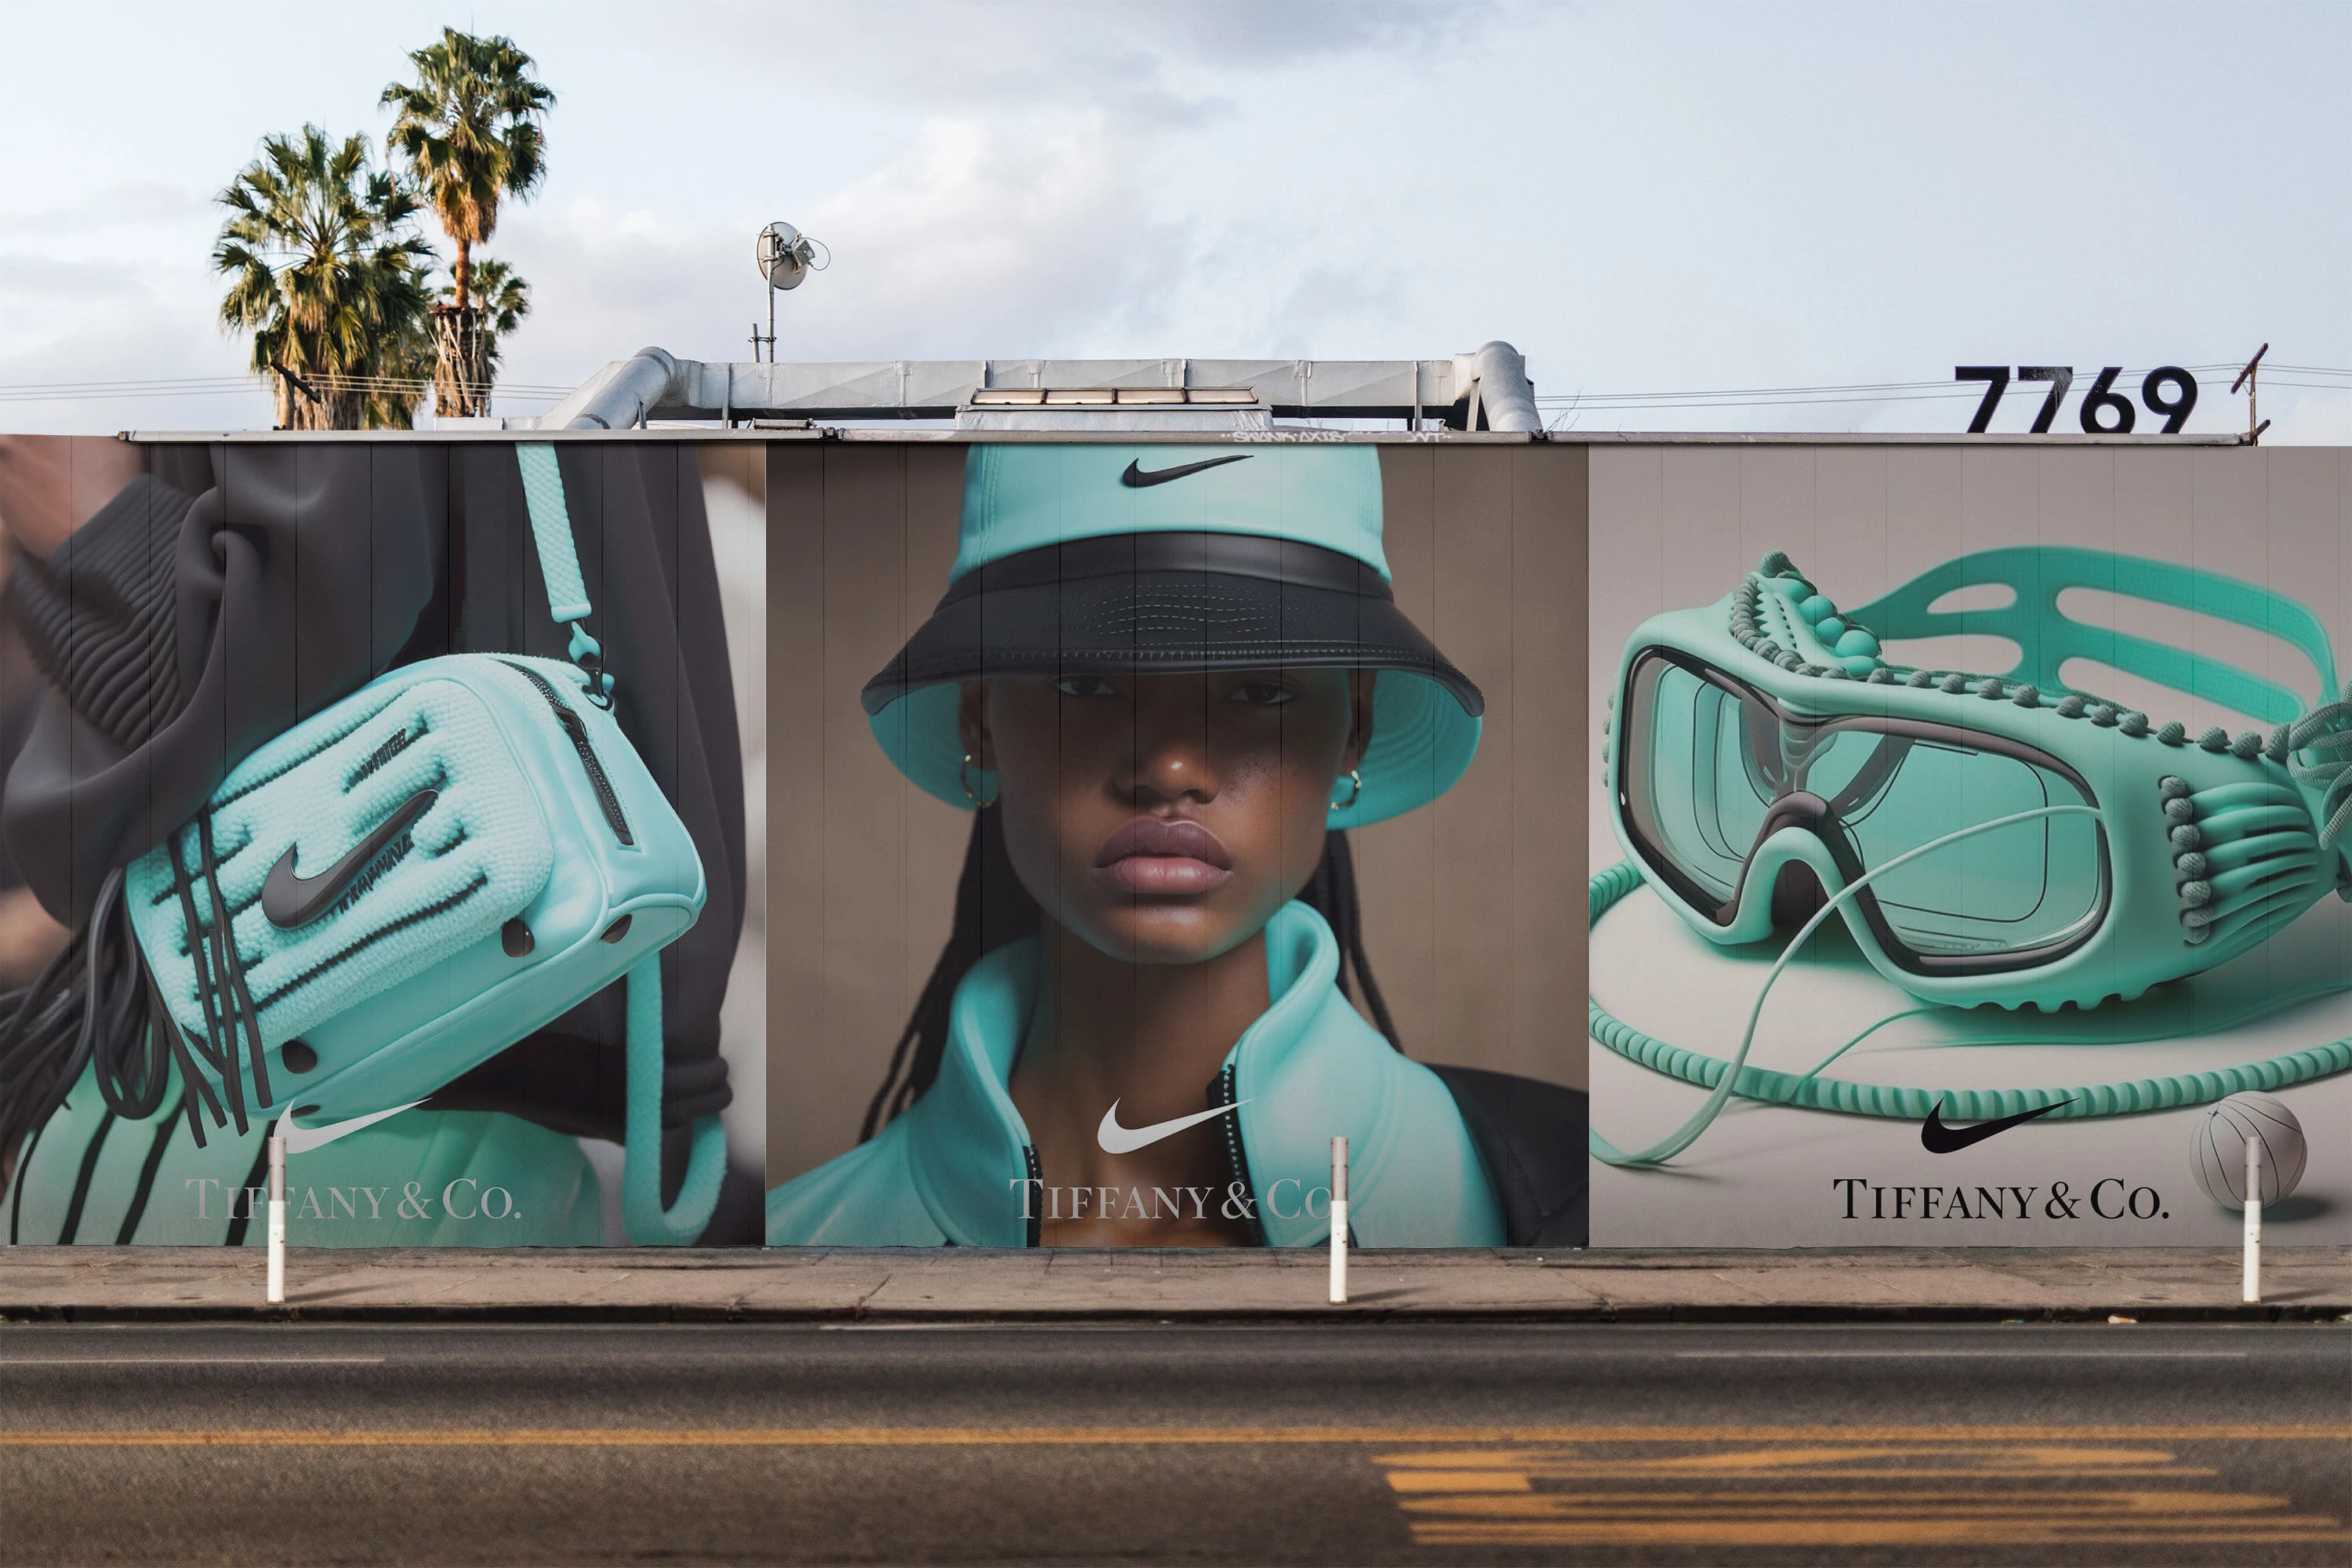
(1085, 686)
(1263, 694)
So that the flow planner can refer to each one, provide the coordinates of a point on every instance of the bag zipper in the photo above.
(577, 728)
(1222, 1093)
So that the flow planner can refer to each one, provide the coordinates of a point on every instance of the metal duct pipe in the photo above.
(1508, 397)
(654, 384)
(619, 396)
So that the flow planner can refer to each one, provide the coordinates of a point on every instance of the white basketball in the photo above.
(2218, 1153)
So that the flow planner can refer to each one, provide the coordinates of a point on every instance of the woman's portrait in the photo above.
(1166, 682)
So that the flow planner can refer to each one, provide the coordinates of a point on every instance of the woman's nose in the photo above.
(1172, 759)
(1170, 772)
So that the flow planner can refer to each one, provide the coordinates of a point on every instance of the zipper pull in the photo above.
(589, 655)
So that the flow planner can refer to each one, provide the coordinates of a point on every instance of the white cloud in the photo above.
(985, 236)
(1662, 196)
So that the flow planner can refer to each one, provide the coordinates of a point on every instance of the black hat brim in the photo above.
(1167, 604)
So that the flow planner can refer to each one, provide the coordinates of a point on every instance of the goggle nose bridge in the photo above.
(1814, 816)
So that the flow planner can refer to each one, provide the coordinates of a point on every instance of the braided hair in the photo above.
(993, 907)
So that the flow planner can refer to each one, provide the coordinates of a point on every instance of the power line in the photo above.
(2323, 378)
(1876, 392)
(224, 385)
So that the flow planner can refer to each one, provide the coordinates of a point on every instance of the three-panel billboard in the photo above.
(888, 840)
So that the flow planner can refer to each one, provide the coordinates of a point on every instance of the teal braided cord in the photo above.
(1815, 1070)
(550, 531)
(2253, 1013)
(648, 1222)
(1728, 1077)
(1815, 1093)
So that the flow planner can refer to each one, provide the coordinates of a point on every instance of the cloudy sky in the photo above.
(1643, 198)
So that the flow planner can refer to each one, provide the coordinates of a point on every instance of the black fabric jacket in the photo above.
(234, 590)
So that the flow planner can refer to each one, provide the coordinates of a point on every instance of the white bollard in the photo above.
(1339, 1222)
(278, 1212)
(2253, 1291)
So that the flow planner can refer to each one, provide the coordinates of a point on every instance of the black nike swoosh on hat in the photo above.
(1939, 1139)
(289, 900)
(1135, 479)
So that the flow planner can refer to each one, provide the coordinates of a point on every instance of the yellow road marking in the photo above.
(1800, 1492)
(1460, 1480)
(1897, 1505)
(1122, 1437)
(1860, 1532)
(1767, 1464)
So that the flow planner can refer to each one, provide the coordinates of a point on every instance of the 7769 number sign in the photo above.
(2105, 411)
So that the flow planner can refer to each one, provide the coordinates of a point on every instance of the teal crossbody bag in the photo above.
(401, 887)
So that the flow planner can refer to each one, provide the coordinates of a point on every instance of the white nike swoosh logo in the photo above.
(1117, 1139)
(300, 1140)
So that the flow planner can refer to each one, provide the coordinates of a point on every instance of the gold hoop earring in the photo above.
(963, 777)
(1354, 794)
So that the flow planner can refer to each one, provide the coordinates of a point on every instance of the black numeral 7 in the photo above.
(1997, 376)
(2060, 377)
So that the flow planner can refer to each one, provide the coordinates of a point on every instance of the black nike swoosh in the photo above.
(289, 900)
(1135, 479)
(1939, 1139)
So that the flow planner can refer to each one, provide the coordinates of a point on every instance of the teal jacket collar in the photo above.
(1310, 1068)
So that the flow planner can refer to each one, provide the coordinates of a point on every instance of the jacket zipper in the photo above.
(1221, 1092)
(577, 728)
(1037, 1212)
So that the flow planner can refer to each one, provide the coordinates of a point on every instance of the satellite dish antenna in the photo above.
(784, 255)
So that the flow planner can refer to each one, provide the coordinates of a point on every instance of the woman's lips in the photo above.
(1153, 855)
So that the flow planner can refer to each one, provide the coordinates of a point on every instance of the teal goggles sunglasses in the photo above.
(1736, 802)
(1999, 837)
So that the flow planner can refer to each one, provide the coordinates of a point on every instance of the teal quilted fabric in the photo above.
(474, 858)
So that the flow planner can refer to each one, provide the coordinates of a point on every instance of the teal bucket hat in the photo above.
(1178, 559)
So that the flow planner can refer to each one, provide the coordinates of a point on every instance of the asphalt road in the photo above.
(2139, 1445)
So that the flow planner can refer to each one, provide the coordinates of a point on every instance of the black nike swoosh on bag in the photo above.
(1135, 479)
(1939, 1139)
(289, 900)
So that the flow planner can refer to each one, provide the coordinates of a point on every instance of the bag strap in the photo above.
(558, 561)
(2037, 575)
(648, 1223)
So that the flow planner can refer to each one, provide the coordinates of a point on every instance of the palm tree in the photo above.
(328, 276)
(468, 130)
(500, 301)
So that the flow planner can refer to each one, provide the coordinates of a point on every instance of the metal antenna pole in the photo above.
(771, 339)
(2247, 379)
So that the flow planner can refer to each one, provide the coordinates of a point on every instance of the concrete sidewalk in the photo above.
(655, 1285)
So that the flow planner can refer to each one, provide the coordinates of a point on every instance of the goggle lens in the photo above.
(1706, 765)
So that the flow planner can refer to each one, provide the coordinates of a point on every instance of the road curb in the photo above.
(984, 1286)
(1320, 1316)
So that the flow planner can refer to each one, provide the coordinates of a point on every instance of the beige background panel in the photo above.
(1471, 625)
(1550, 766)
(1474, 908)
(861, 865)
